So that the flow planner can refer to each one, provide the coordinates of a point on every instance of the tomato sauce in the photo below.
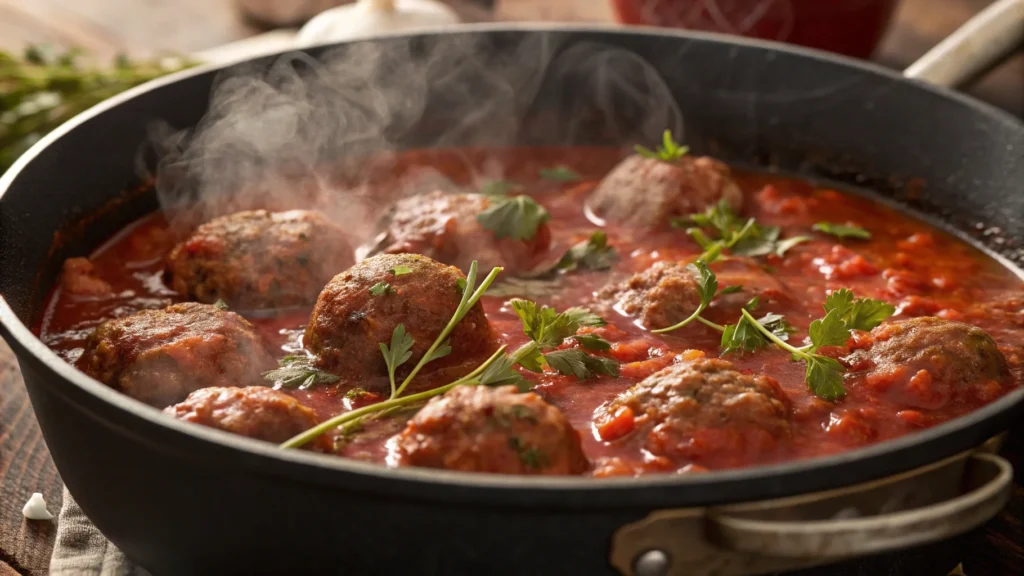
(909, 263)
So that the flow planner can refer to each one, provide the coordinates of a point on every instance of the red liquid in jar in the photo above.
(850, 27)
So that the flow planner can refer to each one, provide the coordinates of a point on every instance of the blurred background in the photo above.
(892, 32)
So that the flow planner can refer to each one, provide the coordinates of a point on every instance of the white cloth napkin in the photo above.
(80, 549)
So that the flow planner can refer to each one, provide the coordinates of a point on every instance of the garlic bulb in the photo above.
(367, 18)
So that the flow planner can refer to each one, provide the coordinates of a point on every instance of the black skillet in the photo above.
(181, 499)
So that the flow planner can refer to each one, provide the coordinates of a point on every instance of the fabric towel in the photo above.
(80, 549)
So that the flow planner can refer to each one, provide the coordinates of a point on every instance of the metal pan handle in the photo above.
(836, 539)
(974, 48)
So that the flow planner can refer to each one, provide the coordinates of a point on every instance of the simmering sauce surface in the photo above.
(919, 269)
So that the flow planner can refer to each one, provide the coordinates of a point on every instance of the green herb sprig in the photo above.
(560, 174)
(668, 151)
(594, 253)
(517, 217)
(298, 371)
(842, 231)
(743, 237)
(548, 329)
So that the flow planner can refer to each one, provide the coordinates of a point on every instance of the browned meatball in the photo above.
(444, 227)
(925, 362)
(666, 293)
(701, 411)
(497, 430)
(646, 193)
(160, 356)
(259, 260)
(349, 322)
(662, 295)
(257, 412)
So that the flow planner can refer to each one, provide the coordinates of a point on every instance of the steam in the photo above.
(326, 133)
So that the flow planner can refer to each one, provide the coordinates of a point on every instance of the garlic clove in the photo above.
(368, 18)
(35, 508)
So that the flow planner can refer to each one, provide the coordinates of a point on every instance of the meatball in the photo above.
(497, 430)
(646, 193)
(256, 412)
(259, 260)
(662, 295)
(700, 411)
(925, 362)
(444, 227)
(350, 322)
(160, 356)
(666, 293)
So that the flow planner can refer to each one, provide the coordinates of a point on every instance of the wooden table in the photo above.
(107, 27)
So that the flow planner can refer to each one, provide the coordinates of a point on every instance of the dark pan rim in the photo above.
(302, 467)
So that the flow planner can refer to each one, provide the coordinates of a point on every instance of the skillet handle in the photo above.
(974, 47)
(989, 479)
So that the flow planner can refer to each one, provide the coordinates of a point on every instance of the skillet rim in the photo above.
(787, 478)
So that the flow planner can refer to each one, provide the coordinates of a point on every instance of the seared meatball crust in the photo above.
(349, 322)
(663, 295)
(160, 356)
(926, 362)
(444, 227)
(647, 193)
(256, 412)
(704, 408)
(259, 260)
(496, 430)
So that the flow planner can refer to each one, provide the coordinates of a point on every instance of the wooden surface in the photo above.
(107, 27)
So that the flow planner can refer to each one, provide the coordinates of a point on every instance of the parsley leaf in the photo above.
(741, 236)
(381, 289)
(401, 270)
(502, 373)
(593, 253)
(861, 314)
(668, 151)
(576, 362)
(444, 349)
(730, 290)
(560, 174)
(824, 377)
(828, 331)
(220, 305)
(298, 371)
(518, 217)
(784, 246)
(744, 336)
(549, 329)
(842, 230)
(593, 342)
(398, 353)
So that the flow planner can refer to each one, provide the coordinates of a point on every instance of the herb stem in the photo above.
(710, 324)
(469, 379)
(468, 301)
(691, 318)
(801, 352)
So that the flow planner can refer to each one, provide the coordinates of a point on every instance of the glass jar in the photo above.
(850, 27)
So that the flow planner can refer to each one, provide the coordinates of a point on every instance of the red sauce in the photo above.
(920, 269)
(850, 27)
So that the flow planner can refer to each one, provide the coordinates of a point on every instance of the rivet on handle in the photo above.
(652, 563)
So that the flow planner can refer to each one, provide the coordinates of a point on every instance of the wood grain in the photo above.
(25, 467)
(144, 27)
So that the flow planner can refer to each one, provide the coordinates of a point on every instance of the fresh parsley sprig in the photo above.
(842, 231)
(548, 329)
(707, 287)
(298, 371)
(593, 253)
(743, 237)
(518, 217)
(843, 313)
(668, 151)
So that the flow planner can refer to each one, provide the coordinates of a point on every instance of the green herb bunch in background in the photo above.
(44, 88)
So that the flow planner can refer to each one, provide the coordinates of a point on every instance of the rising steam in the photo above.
(323, 133)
